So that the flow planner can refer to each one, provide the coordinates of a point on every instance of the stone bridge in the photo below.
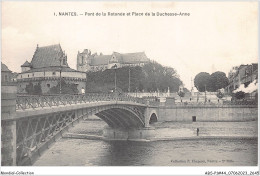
(30, 124)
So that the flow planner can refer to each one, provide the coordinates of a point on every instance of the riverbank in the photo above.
(97, 137)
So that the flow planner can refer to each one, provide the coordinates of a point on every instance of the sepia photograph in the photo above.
(133, 84)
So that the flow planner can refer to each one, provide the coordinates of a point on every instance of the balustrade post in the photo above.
(8, 127)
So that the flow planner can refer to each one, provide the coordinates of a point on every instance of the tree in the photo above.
(38, 89)
(240, 95)
(29, 88)
(181, 93)
(213, 82)
(220, 94)
(218, 80)
(34, 89)
(202, 81)
(149, 78)
(66, 88)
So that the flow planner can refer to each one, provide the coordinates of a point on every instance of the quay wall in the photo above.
(186, 113)
(128, 134)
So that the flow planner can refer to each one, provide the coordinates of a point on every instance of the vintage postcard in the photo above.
(133, 83)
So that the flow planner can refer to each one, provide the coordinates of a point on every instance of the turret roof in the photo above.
(26, 64)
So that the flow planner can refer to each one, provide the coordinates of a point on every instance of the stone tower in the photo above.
(83, 60)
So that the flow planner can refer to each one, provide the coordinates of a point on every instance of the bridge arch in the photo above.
(121, 116)
(153, 118)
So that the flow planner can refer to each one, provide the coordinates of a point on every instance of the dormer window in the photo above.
(64, 63)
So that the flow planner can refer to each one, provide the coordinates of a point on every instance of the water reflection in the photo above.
(125, 153)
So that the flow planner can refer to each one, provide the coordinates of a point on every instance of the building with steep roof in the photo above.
(48, 68)
(6, 74)
(26, 66)
(94, 62)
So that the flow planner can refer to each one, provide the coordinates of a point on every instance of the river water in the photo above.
(228, 144)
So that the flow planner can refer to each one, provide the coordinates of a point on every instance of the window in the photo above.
(28, 76)
(64, 63)
(33, 74)
(48, 85)
(5, 78)
(82, 59)
(53, 73)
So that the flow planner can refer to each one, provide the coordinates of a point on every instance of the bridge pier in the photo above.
(8, 127)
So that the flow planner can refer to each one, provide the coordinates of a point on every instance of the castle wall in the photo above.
(25, 79)
(46, 85)
(52, 74)
(25, 69)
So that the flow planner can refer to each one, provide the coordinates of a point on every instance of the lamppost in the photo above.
(60, 75)
(115, 67)
(129, 80)
(252, 70)
(205, 94)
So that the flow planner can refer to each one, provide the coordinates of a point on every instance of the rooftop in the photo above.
(26, 64)
(48, 56)
(127, 58)
(4, 68)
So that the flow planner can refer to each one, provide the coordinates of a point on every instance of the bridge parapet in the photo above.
(153, 103)
(210, 105)
(34, 101)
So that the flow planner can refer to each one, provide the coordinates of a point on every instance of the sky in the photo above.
(215, 36)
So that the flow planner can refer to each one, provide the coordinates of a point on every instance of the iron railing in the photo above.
(35, 101)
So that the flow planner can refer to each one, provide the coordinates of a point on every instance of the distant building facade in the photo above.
(48, 67)
(244, 74)
(94, 62)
